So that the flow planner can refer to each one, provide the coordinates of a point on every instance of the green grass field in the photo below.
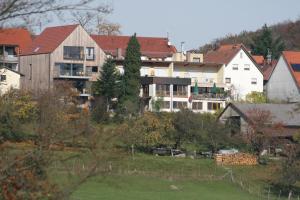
(148, 188)
(154, 178)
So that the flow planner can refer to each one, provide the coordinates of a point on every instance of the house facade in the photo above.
(12, 42)
(63, 54)
(9, 79)
(170, 77)
(284, 82)
(241, 72)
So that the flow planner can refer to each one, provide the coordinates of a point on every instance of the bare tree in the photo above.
(12, 11)
(96, 23)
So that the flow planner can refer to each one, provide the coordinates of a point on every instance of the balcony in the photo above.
(70, 71)
(207, 96)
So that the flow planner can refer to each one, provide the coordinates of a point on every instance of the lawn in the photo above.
(149, 188)
(150, 177)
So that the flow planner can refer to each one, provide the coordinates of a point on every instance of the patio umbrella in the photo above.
(214, 89)
(196, 89)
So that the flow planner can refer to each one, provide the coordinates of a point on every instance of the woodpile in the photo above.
(236, 159)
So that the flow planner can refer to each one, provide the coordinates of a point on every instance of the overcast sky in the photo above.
(197, 22)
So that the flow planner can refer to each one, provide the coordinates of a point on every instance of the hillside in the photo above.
(289, 31)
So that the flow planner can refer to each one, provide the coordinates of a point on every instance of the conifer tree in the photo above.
(131, 77)
(107, 84)
(265, 43)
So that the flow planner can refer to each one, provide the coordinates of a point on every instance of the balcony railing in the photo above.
(9, 58)
(221, 96)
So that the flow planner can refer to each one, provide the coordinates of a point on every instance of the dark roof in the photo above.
(150, 46)
(49, 39)
(287, 114)
(20, 37)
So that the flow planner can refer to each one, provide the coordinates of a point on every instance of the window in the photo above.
(90, 53)
(73, 52)
(227, 80)
(196, 59)
(165, 104)
(179, 104)
(213, 106)
(94, 69)
(2, 78)
(162, 90)
(253, 81)
(180, 90)
(197, 105)
(235, 67)
(70, 69)
(247, 67)
(241, 55)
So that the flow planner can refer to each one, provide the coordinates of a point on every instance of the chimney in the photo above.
(119, 53)
(269, 57)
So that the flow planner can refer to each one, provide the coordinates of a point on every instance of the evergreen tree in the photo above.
(131, 77)
(107, 84)
(265, 42)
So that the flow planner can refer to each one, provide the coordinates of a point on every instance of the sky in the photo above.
(197, 22)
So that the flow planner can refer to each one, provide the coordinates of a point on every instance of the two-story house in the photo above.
(61, 54)
(12, 42)
(241, 73)
(284, 82)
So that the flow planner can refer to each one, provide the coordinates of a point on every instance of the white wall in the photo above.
(281, 85)
(241, 78)
(12, 80)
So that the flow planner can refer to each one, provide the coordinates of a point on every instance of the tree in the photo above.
(261, 130)
(256, 97)
(265, 43)
(107, 84)
(38, 11)
(131, 77)
(96, 23)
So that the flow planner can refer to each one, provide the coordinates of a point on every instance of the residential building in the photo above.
(62, 54)
(285, 116)
(12, 42)
(241, 73)
(9, 79)
(284, 82)
(169, 76)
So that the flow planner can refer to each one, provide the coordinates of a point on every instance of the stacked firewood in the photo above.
(236, 159)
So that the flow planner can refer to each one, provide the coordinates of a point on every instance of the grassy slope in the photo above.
(149, 177)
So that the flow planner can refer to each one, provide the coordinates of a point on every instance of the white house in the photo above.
(284, 83)
(9, 79)
(241, 72)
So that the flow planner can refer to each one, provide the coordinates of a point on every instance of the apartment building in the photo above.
(241, 72)
(174, 79)
(62, 54)
(12, 42)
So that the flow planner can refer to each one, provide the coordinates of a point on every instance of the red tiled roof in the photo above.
(150, 46)
(49, 39)
(267, 69)
(15, 36)
(259, 59)
(293, 57)
(224, 54)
